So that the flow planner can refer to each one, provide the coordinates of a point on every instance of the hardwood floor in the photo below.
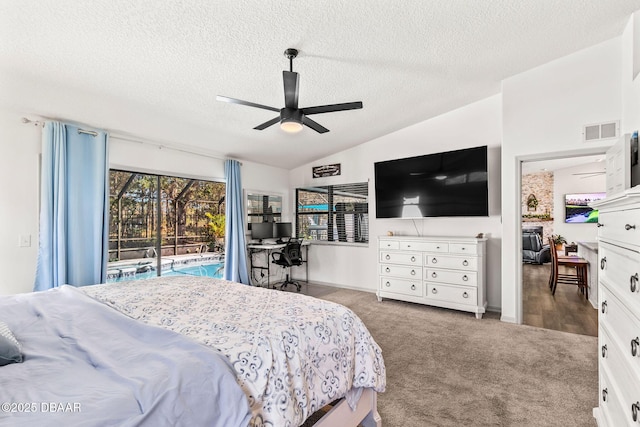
(567, 311)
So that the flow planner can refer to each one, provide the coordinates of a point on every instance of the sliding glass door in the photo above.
(164, 225)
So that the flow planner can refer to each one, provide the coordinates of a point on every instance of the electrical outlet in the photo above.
(24, 240)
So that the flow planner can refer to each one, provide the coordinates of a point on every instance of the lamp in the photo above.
(290, 126)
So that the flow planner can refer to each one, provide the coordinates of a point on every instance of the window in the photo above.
(162, 220)
(263, 208)
(333, 213)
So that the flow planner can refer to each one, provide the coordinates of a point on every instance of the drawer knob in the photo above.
(634, 411)
(604, 350)
(434, 274)
(413, 259)
(413, 272)
(465, 262)
(463, 248)
(634, 346)
(465, 295)
(408, 246)
(388, 270)
(604, 306)
(600, 225)
(388, 284)
(465, 278)
(604, 394)
(388, 257)
(413, 287)
(434, 291)
(434, 260)
(629, 227)
(633, 283)
(603, 263)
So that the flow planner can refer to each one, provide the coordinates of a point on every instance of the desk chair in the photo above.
(290, 255)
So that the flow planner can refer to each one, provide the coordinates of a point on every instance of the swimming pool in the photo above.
(215, 270)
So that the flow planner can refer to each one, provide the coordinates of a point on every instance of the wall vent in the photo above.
(601, 131)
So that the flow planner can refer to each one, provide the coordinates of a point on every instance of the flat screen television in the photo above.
(450, 184)
(577, 210)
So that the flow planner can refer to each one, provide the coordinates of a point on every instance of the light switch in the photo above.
(24, 240)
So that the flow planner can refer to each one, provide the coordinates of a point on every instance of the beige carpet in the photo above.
(445, 368)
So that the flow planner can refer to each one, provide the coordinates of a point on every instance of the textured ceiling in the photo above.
(152, 69)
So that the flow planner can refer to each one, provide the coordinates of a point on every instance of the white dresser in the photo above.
(441, 271)
(619, 315)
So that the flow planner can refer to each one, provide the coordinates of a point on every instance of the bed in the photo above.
(234, 355)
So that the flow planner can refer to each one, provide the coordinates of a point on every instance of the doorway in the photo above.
(546, 187)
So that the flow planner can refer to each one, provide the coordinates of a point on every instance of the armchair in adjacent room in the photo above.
(533, 249)
(291, 255)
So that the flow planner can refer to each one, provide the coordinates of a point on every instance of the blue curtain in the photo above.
(74, 208)
(235, 259)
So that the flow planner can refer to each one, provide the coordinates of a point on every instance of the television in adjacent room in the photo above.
(577, 210)
(447, 184)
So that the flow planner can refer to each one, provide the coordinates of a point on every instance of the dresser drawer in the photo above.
(620, 226)
(619, 269)
(625, 382)
(453, 277)
(610, 401)
(401, 286)
(623, 327)
(446, 261)
(424, 246)
(455, 294)
(463, 248)
(405, 258)
(388, 244)
(401, 271)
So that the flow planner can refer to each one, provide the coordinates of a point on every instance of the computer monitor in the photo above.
(261, 230)
(282, 230)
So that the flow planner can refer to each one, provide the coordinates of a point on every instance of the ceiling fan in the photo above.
(589, 174)
(291, 117)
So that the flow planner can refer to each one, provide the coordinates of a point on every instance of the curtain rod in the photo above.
(41, 123)
(136, 140)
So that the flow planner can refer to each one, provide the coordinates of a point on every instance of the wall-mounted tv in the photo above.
(577, 210)
(452, 183)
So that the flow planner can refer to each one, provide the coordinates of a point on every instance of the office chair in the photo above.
(290, 255)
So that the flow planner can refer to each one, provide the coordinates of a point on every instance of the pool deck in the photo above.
(128, 268)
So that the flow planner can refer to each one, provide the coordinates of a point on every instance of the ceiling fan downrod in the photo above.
(290, 54)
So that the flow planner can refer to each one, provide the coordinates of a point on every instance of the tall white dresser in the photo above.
(440, 271)
(619, 310)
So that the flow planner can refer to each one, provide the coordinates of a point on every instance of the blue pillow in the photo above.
(10, 348)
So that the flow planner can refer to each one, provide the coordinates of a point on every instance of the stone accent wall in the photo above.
(539, 185)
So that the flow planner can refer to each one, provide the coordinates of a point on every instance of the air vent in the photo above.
(601, 131)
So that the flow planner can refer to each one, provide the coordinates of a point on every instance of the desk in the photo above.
(267, 249)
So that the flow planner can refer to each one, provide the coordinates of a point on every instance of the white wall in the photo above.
(19, 166)
(566, 182)
(19, 174)
(356, 266)
(544, 111)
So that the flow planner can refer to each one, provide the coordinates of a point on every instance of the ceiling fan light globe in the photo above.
(290, 126)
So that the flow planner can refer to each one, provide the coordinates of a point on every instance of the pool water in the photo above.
(207, 270)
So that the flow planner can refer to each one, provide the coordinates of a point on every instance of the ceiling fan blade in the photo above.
(267, 124)
(330, 108)
(247, 103)
(314, 125)
(291, 80)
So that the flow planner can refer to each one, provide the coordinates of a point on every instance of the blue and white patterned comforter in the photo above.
(292, 353)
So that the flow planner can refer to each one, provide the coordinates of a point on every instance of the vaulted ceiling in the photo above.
(151, 70)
